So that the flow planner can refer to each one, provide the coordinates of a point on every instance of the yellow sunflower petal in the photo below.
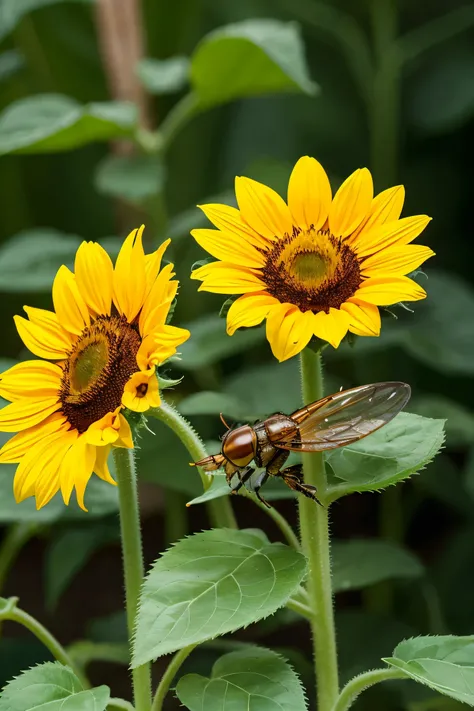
(43, 335)
(26, 413)
(385, 207)
(141, 391)
(129, 293)
(94, 277)
(157, 303)
(389, 289)
(364, 318)
(125, 434)
(37, 461)
(249, 310)
(351, 203)
(331, 327)
(288, 330)
(69, 305)
(104, 431)
(398, 260)
(101, 468)
(226, 278)
(160, 345)
(153, 264)
(229, 219)
(397, 232)
(32, 376)
(21, 443)
(76, 470)
(47, 482)
(229, 248)
(263, 208)
(309, 194)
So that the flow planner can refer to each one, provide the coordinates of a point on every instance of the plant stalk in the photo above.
(314, 530)
(361, 682)
(169, 675)
(133, 563)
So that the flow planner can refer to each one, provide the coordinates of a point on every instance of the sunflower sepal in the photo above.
(171, 311)
(166, 383)
(317, 345)
(201, 263)
(226, 306)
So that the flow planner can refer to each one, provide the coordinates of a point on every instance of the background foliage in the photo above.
(316, 78)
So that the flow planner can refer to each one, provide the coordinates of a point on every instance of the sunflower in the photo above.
(317, 266)
(102, 344)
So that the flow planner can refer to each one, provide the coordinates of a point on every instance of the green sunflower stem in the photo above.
(134, 569)
(170, 673)
(220, 510)
(314, 530)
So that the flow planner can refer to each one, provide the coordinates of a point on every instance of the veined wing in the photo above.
(346, 417)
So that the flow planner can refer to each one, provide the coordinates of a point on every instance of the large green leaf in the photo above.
(10, 63)
(209, 342)
(163, 76)
(210, 584)
(445, 664)
(11, 11)
(134, 178)
(459, 420)
(359, 563)
(48, 123)
(69, 551)
(29, 260)
(51, 687)
(252, 678)
(269, 56)
(395, 452)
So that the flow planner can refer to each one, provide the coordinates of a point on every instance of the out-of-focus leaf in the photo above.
(269, 56)
(244, 679)
(84, 652)
(360, 563)
(443, 481)
(163, 76)
(110, 629)
(29, 260)
(133, 178)
(210, 584)
(393, 453)
(51, 686)
(442, 92)
(444, 663)
(47, 123)
(11, 11)
(10, 62)
(212, 403)
(181, 225)
(209, 342)
(68, 552)
(453, 569)
(459, 421)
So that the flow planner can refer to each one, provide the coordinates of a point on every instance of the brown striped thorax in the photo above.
(334, 421)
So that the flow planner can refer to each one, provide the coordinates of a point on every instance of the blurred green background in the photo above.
(98, 134)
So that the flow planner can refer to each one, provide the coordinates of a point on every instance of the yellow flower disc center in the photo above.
(97, 370)
(313, 270)
(87, 365)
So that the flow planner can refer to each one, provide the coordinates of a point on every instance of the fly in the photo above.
(334, 421)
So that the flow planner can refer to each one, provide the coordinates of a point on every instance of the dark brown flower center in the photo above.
(313, 270)
(97, 369)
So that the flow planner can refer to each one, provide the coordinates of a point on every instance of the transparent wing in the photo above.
(346, 417)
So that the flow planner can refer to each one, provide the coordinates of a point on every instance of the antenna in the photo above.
(223, 421)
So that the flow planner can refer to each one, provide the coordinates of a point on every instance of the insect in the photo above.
(334, 421)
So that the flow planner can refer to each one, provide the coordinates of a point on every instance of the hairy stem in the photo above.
(133, 563)
(169, 675)
(359, 683)
(314, 528)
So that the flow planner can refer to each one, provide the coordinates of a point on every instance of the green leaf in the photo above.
(10, 63)
(360, 563)
(134, 178)
(68, 552)
(210, 584)
(393, 453)
(12, 11)
(29, 260)
(269, 56)
(84, 652)
(163, 76)
(459, 421)
(210, 343)
(252, 678)
(48, 123)
(445, 664)
(51, 687)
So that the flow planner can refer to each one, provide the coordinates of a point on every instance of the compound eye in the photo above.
(239, 445)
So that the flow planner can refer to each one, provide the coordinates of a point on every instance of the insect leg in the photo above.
(274, 466)
(258, 485)
(244, 475)
(293, 477)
